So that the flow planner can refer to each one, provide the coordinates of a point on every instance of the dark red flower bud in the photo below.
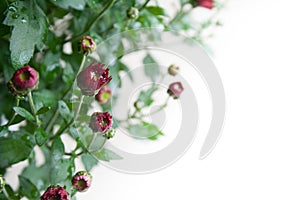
(101, 122)
(175, 89)
(87, 45)
(55, 193)
(93, 78)
(173, 70)
(82, 181)
(23, 80)
(209, 4)
(104, 95)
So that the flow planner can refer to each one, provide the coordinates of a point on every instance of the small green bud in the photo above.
(173, 70)
(87, 45)
(110, 133)
(2, 183)
(132, 13)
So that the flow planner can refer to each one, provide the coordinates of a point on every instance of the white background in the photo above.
(257, 55)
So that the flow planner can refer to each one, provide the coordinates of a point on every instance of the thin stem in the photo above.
(56, 113)
(153, 112)
(81, 64)
(92, 140)
(32, 107)
(51, 122)
(15, 114)
(179, 14)
(88, 146)
(144, 5)
(62, 130)
(112, 25)
(5, 193)
(94, 21)
(79, 107)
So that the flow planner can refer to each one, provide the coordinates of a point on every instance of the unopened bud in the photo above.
(87, 45)
(173, 70)
(132, 13)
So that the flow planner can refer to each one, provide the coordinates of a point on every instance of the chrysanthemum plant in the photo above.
(48, 78)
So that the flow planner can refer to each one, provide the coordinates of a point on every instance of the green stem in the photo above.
(179, 14)
(153, 112)
(81, 65)
(79, 107)
(88, 146)
(112, 25)
(92, 140)
(5, 193)
(144, 5)
(56, 113)
(94, 21)
(63, 129)
(15, 114)
(32, 107)
(52, 120)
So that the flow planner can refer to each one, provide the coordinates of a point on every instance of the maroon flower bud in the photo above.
(173, 70)
(209, 4)
(104, 95)
(23, 80)
(55, 193)
(93, 78)
(175, 89)
(82, 181)
(101, 122)
(87, 45)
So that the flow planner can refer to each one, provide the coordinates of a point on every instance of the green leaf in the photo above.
(11, 193)
(144, 131)
(115, 73)
(88, 161)
(27, 188)
(151, 68)
(156, 10)
(98, 142)
(44, 98)
(15, 148)
(68, 75)
(43, 110)
(3, 131)
(94, 5)
(74, 133)
(39, 176)
(30, 27)
(40, 136)
(107, 155)
(62, 170)
(57, 149)
(65, 4)
(145, 96)
(64, 111)
(24, 113)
